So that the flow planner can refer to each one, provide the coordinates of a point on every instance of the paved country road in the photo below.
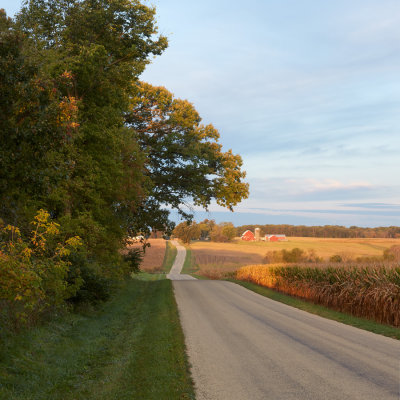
(175, 273)
(243, 346)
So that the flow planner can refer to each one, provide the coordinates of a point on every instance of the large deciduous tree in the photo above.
(223, 232)
(83, 138)
(184, 160)
(187, 231)
(68, 67)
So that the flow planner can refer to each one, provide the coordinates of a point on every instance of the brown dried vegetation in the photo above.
(219, 263)
(153, 256)
(370, 291)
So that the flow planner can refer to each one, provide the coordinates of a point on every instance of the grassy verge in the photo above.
(188, 267)
(169, 257)
(322, 311)
(133, 348)
(148, 276)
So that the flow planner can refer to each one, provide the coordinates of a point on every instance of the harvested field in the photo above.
(153, 256)
(324, 247)
(214, 261)
(224, 257)
(240, 252)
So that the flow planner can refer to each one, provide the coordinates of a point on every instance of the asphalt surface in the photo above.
(175, 273)
(243, 346)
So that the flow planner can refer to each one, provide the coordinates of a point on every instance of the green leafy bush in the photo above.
(94, 287)
(34, 270)
(133, 259)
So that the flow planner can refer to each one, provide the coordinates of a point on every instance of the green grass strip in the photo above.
(169, 257)
(148, 276)
(322, 311)
(133, 348)
(188, 267)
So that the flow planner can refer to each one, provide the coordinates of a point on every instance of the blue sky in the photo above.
(308, 92)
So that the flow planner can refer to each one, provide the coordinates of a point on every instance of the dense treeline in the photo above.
(328, 231)
(86, 146)
(205, 230)
(225, 231)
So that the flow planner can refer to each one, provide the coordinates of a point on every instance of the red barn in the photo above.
(275, 238)
(248, 236)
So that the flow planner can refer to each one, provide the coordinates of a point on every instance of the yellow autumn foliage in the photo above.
(33, 274)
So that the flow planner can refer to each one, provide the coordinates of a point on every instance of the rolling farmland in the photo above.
(213, 258)
(325, 247)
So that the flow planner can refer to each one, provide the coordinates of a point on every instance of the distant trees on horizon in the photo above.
(226, 231)
(325, 231)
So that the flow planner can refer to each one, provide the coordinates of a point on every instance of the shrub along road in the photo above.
(244, 346)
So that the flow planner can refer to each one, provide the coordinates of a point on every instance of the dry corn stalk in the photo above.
(370, 291)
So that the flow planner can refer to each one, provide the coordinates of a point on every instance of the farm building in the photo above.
(248, 236)
(275, 238)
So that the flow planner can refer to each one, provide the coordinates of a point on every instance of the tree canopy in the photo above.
(187, 231)
(184, 160)
(82, 137)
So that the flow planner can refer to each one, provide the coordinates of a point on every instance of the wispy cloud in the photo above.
(328, 212)
(308, 93)
(373, 206)
(331, 184)
(306, 189)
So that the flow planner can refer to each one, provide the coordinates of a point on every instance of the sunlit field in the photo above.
(154, 256)
(362, 284)
(325, 247)
(216, 259)
(369, 291)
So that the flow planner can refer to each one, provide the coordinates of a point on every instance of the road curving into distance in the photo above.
(175, 273)
(243, 346)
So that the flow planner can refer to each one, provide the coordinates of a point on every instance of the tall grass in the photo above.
(370, 291)
(217, 271)
(216, 266)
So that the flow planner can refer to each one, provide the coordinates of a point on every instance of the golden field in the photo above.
(324, 247)
(216, 258)
(364, 288)
(154, 255)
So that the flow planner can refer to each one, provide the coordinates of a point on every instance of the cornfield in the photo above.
(371, 292)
